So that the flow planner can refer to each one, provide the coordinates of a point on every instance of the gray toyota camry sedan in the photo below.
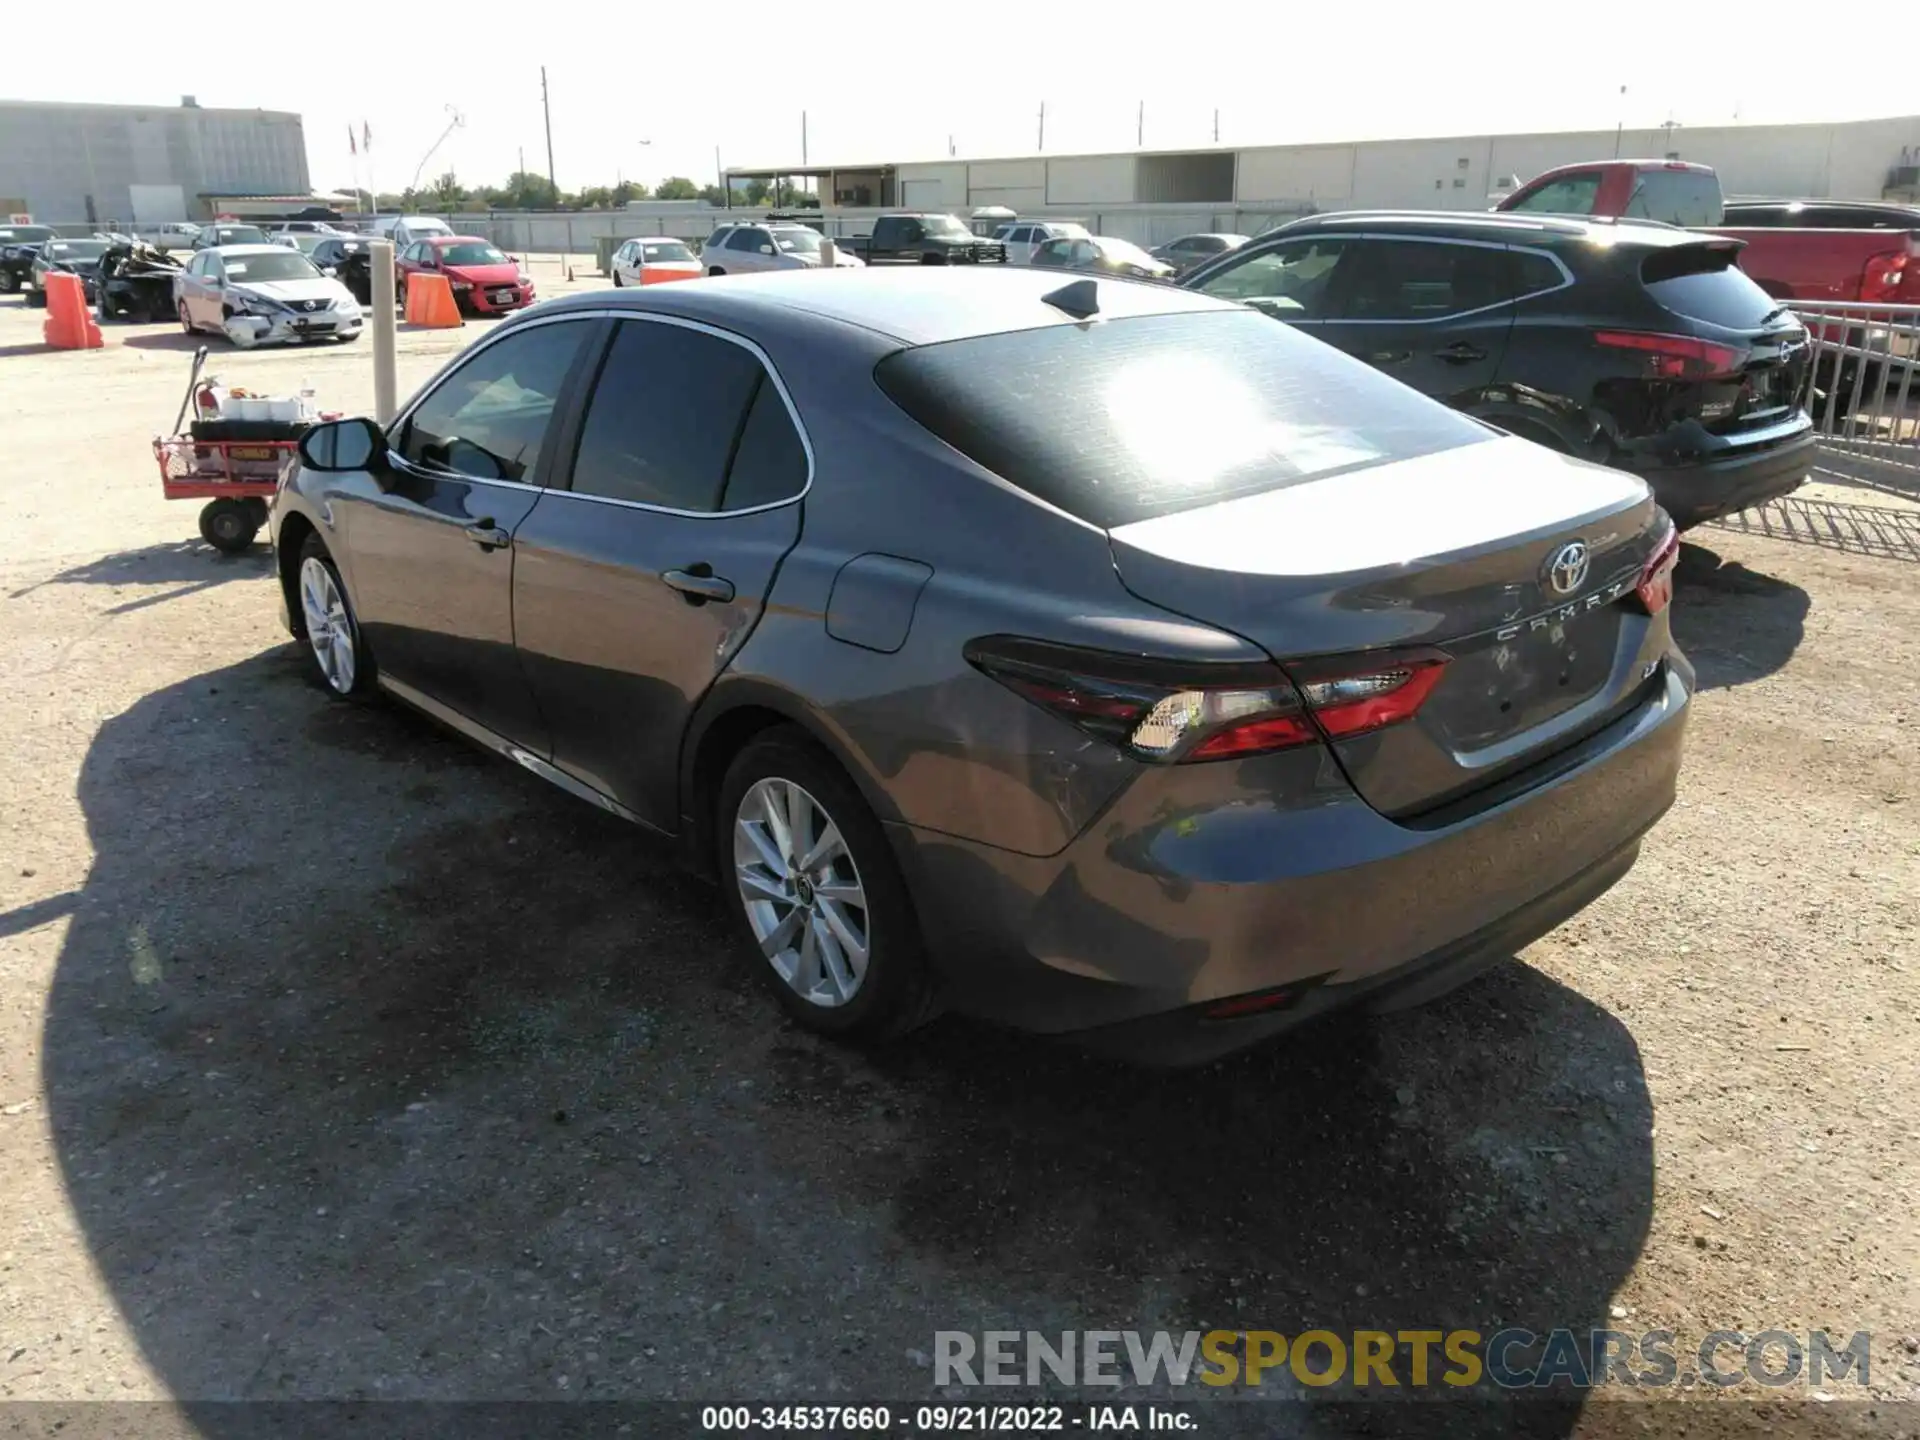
(1096, 657)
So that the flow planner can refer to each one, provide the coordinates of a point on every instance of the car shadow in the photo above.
(190, 565)
(1737, 625)
(376, 1069)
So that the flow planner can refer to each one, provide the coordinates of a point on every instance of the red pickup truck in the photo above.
(1873, 264)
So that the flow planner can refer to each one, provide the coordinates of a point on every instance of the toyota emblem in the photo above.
(1567, 571)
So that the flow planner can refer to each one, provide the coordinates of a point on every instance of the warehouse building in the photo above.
(1154, 195)
(143, 164)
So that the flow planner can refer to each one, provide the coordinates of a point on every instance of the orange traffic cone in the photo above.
(430, 303)
(69, 324)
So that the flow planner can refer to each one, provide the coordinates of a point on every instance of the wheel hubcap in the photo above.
(329, 626)
(802, 892)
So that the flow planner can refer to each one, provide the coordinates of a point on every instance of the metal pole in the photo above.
(803, 138)
(1140, 134)
(386, 399)
(1043, 126)
(720, 179)
(1216, 127)
(547, 111)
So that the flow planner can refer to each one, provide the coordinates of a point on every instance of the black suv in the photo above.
(1640, 346)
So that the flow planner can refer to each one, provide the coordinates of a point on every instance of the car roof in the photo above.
(242, 251)
(1495, 225)
(457, 240)
(912, 304)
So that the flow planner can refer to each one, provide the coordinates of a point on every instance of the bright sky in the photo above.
(888, 84)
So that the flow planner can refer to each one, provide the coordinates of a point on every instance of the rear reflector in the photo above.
(1258, 1003)
(1655, 585)
(1675, 357)
(1170, 712)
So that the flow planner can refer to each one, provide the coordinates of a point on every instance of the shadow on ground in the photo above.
(1737, 625)
(189, 565)
(378, 1070)
(1876, 530)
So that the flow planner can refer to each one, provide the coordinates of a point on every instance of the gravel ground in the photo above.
(337, 1060)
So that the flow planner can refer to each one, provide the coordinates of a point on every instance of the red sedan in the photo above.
(484, 281)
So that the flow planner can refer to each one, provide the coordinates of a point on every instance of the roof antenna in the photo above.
(1079, 299)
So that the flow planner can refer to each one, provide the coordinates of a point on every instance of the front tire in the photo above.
(618, 283)
(186, 321)
(342, 663)
(814, 887)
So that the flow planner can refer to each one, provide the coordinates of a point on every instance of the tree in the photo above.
(447, 192)
(528, 191)
(594, 197)
(628, 190)
(757, 192)
(677, 187)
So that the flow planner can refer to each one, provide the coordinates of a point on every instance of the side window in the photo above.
(1291, 281)
(665, 414)
(489, 417)
(769, 463)
(1421, 280)
(742, 239)
(1534, 273)
(1569, 195)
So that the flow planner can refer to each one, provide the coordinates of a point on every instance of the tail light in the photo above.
(1675, 357)
(1168, 712)
(1655, 585)
(1880, 281)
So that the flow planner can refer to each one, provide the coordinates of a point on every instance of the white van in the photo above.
(403, 230)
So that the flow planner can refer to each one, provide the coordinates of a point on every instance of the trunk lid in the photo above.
(1753, 354)
(1457, 551)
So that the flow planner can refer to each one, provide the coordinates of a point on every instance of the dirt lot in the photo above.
(337, 1060)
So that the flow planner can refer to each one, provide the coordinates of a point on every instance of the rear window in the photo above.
(665, 250)
(1131, 419)
(1705, 283)
(1679, 197)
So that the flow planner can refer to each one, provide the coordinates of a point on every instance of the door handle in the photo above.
(1461, 353)
(489, 536)
(698, 584)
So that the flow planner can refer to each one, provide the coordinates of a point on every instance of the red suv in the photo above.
(484, 281)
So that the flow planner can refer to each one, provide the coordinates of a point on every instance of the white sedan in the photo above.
(650, 262)
(263, 294)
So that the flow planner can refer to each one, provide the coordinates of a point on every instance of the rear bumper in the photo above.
(1716, 484)
(1124, 938)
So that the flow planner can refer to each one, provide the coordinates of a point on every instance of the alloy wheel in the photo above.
(802, 892)
(329, 624)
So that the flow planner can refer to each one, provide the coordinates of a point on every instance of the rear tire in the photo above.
(715, 270)
(229, 525)
(813, 886)
(186, 323)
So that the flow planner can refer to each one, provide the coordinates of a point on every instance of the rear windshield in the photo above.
(1679, 197)
(1706, 284)
(665, 250)
(1135, 418)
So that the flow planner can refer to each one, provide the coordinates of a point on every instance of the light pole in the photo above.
(452, 125)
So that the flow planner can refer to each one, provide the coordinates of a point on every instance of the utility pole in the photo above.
(1140, 132)
(1043, 127)
(803, 137)
(547, 110)
(1622, 125)
(720, 180)
(1216, 127)
(1671, 126)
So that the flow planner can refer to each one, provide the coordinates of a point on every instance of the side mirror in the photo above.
(329, 272)
(341, 445)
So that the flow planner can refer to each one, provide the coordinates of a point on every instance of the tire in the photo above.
(229, 525)
(186, 324)
(320, 598)
(9, 282)
(348, 339)
(618, 283)
(36, 299)
(715, 270)
(825, 988)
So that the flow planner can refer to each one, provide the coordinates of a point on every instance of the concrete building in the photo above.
(143, 164)
(1154, 195)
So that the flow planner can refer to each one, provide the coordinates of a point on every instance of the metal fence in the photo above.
(1863, 391)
